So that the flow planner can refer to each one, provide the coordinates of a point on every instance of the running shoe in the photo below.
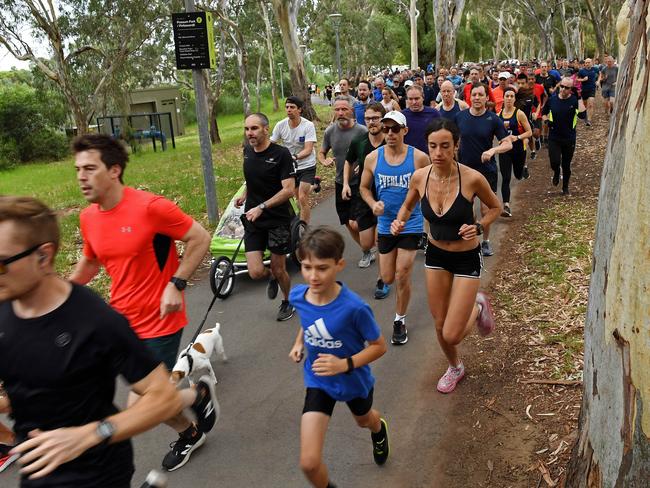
(400, 335)
(450, 379)
(556, 179)
(588, 124)
(485, 321)
(272, 288)
(6, 459)
(317, 184)
(525, 174)
(566, 192)
(380, 446)
(486, 249)
(533, 155)
(382, 290)
(286, 311)
(367, 258)
(506, 211)
(181, 450)
(205, 407)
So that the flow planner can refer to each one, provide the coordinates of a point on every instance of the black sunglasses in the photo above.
(394, 128)
(5, 262)
(566, 87)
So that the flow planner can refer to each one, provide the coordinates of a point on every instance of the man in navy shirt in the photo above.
(561, 113)
(588, 76)
(341, 338)
(417, 118)
(478, 127)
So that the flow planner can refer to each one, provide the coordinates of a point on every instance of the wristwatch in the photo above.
(105, 431)
(479, 228)
(179, 283)
(262, 206)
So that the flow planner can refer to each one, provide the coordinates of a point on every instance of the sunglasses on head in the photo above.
(395, 129)
(4, 263)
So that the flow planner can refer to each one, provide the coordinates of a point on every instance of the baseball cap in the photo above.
(337, 89)
(408, 83)
(396, 116)
(504, 74)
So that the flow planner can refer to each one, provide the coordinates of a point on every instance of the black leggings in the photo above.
(510, 162)
(560, 152)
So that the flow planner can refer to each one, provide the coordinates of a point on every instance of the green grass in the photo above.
(175, 173)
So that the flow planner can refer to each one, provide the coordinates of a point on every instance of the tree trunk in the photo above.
(413, 18)
(258, 83)
(598, 31)
(613, 448)
(446, 16)
(286, 12)
(497, 46)
(269, 49)
(566, 36)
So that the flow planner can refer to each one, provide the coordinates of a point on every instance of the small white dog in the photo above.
(195, 358)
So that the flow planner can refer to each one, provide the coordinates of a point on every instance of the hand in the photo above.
(467, 232)
(171, 300)
(329, 365)
(254, 213)
(378, 208)
(45, 451)
(5, 404)
(346, 193)
(487, 155)
(239, 201)
(513, 138)
(397, 227)
(296, 354)
(328, 162)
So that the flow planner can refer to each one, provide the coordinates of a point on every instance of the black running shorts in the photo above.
(277, 239)
(387, 242)
(317, 400)
(464, 264)
(306, 175)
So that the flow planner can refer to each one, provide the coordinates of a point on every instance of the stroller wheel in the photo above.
(222, 277)
(298, 228)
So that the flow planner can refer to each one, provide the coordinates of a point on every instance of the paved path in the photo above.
(256, 442)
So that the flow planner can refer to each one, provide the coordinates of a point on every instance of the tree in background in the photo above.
(613, 447)
(447, 15)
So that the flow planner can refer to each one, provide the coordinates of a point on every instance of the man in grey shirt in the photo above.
(338, 137)
(608, 77)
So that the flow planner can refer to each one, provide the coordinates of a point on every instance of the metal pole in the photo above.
(204, 138)
(338, 53)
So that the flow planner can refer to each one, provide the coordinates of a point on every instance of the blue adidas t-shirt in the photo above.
(341, 328)
(477, 133)
(589, 85)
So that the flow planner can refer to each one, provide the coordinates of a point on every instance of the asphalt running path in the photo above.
(256, 441)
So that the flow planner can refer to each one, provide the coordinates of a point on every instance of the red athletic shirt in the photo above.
(468, 89)
(538, 91)
(134, 241)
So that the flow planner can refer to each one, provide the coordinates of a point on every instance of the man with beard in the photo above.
(338, 137)
(363, 100)
(400, 91)
(431, 90)
(361, 212)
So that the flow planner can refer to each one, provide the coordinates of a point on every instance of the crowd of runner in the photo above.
(413, 152)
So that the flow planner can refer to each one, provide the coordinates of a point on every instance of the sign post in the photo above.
(194, 46)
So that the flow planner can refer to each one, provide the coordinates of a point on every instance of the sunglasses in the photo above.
(566, 87)
(395, 129)
(5, 262)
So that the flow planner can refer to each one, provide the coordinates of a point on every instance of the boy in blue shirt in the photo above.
(336, 324)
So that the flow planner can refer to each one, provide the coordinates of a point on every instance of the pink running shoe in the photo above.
(450, 379)
(485, 322)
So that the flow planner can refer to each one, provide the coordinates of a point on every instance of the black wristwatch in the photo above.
(179, 283)
(350, 365)
(479, 228)
(105, 431)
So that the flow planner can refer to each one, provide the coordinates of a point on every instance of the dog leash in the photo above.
(245, 222)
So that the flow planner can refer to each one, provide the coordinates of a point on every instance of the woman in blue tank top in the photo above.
(445, 192)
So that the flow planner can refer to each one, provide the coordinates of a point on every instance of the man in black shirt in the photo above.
(268, 171)
(61, 349)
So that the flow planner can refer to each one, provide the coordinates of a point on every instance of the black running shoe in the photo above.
(205, 407)
(286, 311)
(525, 174)
(556, 179)
(317, 184)
(566, 192)
(272, 288)
(181, 451)
(399, 333)
(380, 447)
(533, 155)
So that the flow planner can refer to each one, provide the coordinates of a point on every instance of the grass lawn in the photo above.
(175, 174)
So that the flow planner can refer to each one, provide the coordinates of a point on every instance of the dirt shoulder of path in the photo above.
(511, 428)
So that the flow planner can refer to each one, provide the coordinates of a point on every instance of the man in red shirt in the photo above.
(132, 233)
(475, 76)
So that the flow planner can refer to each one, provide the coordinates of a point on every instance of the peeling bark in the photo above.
(447, 15)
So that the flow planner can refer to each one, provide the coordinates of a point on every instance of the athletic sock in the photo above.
(377, 436)
(400, 317)
(190, 432)
(330, 485)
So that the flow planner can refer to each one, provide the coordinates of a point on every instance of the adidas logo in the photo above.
(317, 335)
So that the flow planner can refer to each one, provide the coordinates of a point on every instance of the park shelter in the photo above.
(158, 99)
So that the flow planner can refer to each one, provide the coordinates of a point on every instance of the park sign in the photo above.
(194, 40)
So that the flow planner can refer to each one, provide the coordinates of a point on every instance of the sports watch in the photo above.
(262, 206)
(105, 431)
(179, 283)
(479, 228)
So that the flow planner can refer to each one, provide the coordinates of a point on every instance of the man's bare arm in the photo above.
(85, 270)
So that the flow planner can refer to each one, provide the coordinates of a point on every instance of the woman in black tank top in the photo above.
(446, 191)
